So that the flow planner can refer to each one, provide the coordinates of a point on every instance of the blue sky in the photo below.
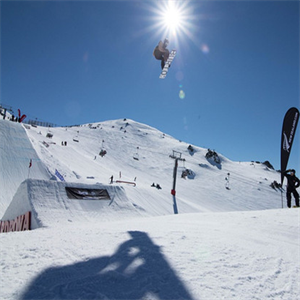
(235, 75)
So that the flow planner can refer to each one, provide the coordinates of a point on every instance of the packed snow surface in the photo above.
(231, 238)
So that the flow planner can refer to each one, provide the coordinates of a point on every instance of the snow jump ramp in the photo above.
(54, 203)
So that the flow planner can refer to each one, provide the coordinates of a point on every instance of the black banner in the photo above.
(287, 136)
(87, 194)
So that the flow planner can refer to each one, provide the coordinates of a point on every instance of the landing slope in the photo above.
(16, 151)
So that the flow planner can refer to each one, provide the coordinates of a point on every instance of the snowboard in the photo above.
(167, 65)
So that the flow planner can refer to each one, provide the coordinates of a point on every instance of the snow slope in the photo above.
(125, 140)
(232, 243)
(15, 153)
(235, 255)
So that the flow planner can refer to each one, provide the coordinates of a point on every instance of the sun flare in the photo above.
(172, 18)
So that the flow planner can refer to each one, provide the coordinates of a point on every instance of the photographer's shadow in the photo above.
(137, 270)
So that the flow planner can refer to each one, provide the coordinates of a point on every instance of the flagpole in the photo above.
(289, 127)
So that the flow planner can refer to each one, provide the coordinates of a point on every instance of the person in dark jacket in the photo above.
(292, 183)
(161, 52)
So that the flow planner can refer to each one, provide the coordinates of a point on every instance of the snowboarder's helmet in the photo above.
(293, 171)
(166, 42)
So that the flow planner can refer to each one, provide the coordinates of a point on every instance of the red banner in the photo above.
(20, 223)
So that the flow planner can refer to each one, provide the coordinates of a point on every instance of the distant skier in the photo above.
(161, 52)
(292, 183)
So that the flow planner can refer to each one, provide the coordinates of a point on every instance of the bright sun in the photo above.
(172, 17)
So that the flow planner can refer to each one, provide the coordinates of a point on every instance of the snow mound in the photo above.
(50, 205)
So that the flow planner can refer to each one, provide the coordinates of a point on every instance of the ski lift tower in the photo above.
(177, 156)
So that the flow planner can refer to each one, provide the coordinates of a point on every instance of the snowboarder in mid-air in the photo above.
(161, 52)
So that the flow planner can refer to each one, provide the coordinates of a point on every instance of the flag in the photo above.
(287, 137)
(21, 118)
(30, 163)
(59, 175)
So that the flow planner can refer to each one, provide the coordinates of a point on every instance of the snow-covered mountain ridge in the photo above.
(140, 154)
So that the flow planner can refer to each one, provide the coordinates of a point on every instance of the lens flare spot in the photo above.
(179, 76)
(86, 57)
(181, 94)
(204, 48)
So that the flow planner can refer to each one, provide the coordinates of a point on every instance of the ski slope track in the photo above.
(231, 238)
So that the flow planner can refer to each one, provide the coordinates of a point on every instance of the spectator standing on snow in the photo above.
(292, 183)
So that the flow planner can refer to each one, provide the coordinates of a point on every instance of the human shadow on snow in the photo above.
(136, 270)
